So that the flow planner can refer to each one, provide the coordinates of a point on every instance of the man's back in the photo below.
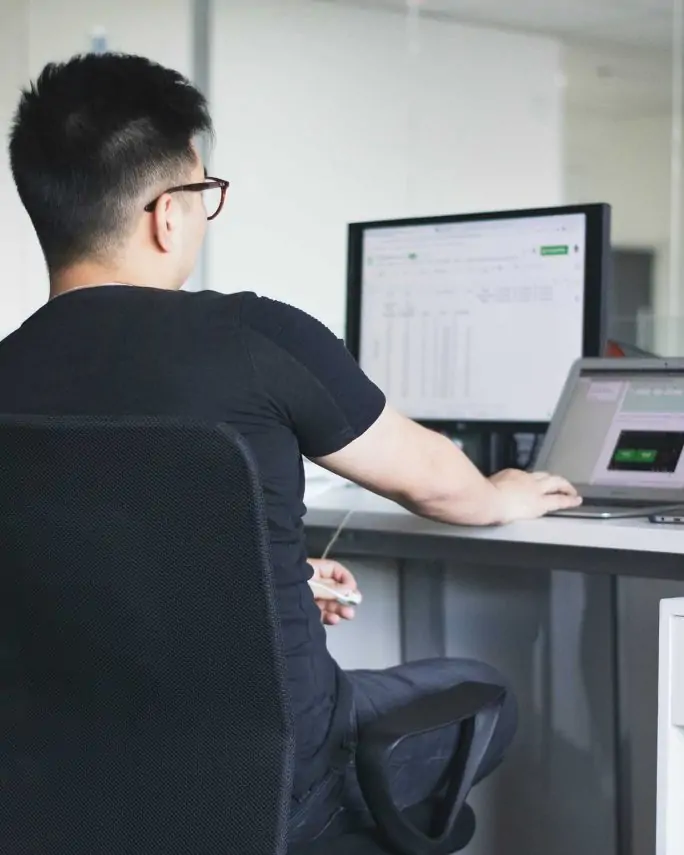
(253, 363)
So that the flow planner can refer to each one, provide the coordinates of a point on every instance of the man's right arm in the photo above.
(430, 476)
(340, 418)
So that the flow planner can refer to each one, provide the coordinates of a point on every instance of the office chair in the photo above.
(143, 708)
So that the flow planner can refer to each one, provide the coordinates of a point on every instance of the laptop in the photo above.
(618, 435)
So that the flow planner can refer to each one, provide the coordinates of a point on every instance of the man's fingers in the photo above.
(337, 610)
(328, 569)
(560, 502)
(554, 483)
(324, 568)
(335, 571)
(343, 576)
(557, 484)
(347, 612)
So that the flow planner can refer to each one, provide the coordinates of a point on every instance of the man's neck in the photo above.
(93, 276)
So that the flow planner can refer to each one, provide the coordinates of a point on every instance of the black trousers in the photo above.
(335, 804)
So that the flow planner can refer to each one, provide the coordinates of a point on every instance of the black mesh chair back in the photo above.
(142, 702)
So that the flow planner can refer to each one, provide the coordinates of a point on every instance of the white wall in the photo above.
(16, 298)
(36, 32)
(625, 162)
(324, 117)
(159, 29)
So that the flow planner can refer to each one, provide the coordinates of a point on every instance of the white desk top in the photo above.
(326, 509)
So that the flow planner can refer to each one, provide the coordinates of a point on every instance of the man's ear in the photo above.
(166, 222)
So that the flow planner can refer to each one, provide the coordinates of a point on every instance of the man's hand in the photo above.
(334, 575)
(526, 496)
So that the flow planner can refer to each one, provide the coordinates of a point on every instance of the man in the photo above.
(104, 158)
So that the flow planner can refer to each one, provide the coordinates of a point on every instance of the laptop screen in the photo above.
(622, 430)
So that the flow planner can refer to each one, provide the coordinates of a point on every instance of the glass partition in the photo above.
(335, 111)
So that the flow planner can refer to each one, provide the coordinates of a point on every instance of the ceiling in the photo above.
(618, 53)
(640, 23)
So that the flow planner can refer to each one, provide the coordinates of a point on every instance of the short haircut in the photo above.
(90, 138)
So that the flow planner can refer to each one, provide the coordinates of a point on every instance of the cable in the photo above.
(532, 456)
(338, 531)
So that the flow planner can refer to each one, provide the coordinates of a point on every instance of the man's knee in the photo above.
(473, 669)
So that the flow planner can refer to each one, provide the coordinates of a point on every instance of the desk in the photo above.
(568, 609)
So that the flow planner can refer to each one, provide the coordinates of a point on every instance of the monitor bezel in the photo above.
(597, 273)
(610, 368)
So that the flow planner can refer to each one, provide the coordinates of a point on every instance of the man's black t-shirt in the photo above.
(278, 376)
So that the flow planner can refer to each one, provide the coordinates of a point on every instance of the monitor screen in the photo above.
(622, 430)
(474, 319)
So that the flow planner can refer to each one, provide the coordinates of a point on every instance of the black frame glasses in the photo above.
(209, 183)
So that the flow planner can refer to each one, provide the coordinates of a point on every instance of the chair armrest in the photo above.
(476, 708)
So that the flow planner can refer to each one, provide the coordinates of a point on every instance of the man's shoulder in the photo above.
(284, 323)
(215, 300)
(271, 325)
(250, 308)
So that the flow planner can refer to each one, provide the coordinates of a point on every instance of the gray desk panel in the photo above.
(379, 528)
(591, 647)
(367, 541)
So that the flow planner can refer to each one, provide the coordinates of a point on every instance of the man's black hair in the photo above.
(90, 137)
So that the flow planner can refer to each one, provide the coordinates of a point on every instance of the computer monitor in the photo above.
(477, 319)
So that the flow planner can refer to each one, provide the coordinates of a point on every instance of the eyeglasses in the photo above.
(213, 192)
